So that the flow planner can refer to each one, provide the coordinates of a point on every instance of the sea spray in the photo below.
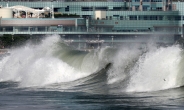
(131, 68)
(180, 75)
(156, 70)
(123, 61)
(51, 61)
(35, 65)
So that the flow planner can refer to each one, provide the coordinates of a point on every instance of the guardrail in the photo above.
(100, 33)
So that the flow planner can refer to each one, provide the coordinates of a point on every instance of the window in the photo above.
(133, 17)
(117, 8)
(145, 8)
(160, 17)
(101, 8)
(159, 8)
(177, 17)
(87, 8)
(67, 8)
(146, 0)
(156, 0)
(121, 17)
(145, 17)
(153, 17)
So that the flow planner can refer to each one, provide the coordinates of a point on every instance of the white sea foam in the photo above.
(35, 65)
(156, 70)
(135, 69)
(123, 60)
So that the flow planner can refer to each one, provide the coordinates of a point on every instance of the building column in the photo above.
(29, 29)
(38, 15)
(140, 6)
(87, 24)
(79, 46)
(53, 11)
(18, 13)
(36, 29)
(76, 25)
(46, 29)
(26, 13)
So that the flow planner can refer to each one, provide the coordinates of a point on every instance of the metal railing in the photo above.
(103, 33)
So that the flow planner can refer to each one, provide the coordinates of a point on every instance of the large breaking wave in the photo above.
(124, 69)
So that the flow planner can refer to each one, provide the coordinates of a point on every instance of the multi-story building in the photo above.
(95, 21)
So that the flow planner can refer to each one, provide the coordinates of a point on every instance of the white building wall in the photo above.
(6, 13)
(100, 14)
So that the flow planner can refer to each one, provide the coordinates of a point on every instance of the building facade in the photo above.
(95, 20)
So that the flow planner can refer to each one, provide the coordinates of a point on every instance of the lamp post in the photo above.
(52, 11)
(0, 26)
(12, 38)
(79, 41)
(63, 36)
(0, 20)
(112, 40)
(98, 40)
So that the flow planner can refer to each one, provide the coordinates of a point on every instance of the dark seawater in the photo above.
(15, 98)
(54, 76)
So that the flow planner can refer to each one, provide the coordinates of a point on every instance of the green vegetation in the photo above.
(65, 15)
(60, 15)
(180, 41)
(8, 41)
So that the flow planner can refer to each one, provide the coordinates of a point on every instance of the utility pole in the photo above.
(0, 21)
(12, 40)
(98, 40)
(112, 40)
(79, 41)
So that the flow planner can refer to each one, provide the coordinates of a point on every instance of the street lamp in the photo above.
(12, 37)
(98, 40)
(79, 41)
(112, 40)
(63, 36)
(0, 20)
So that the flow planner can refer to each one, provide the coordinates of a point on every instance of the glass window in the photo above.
(133, 17)
(177, 17)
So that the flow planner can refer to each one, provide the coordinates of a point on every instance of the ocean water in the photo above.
(53, 76)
